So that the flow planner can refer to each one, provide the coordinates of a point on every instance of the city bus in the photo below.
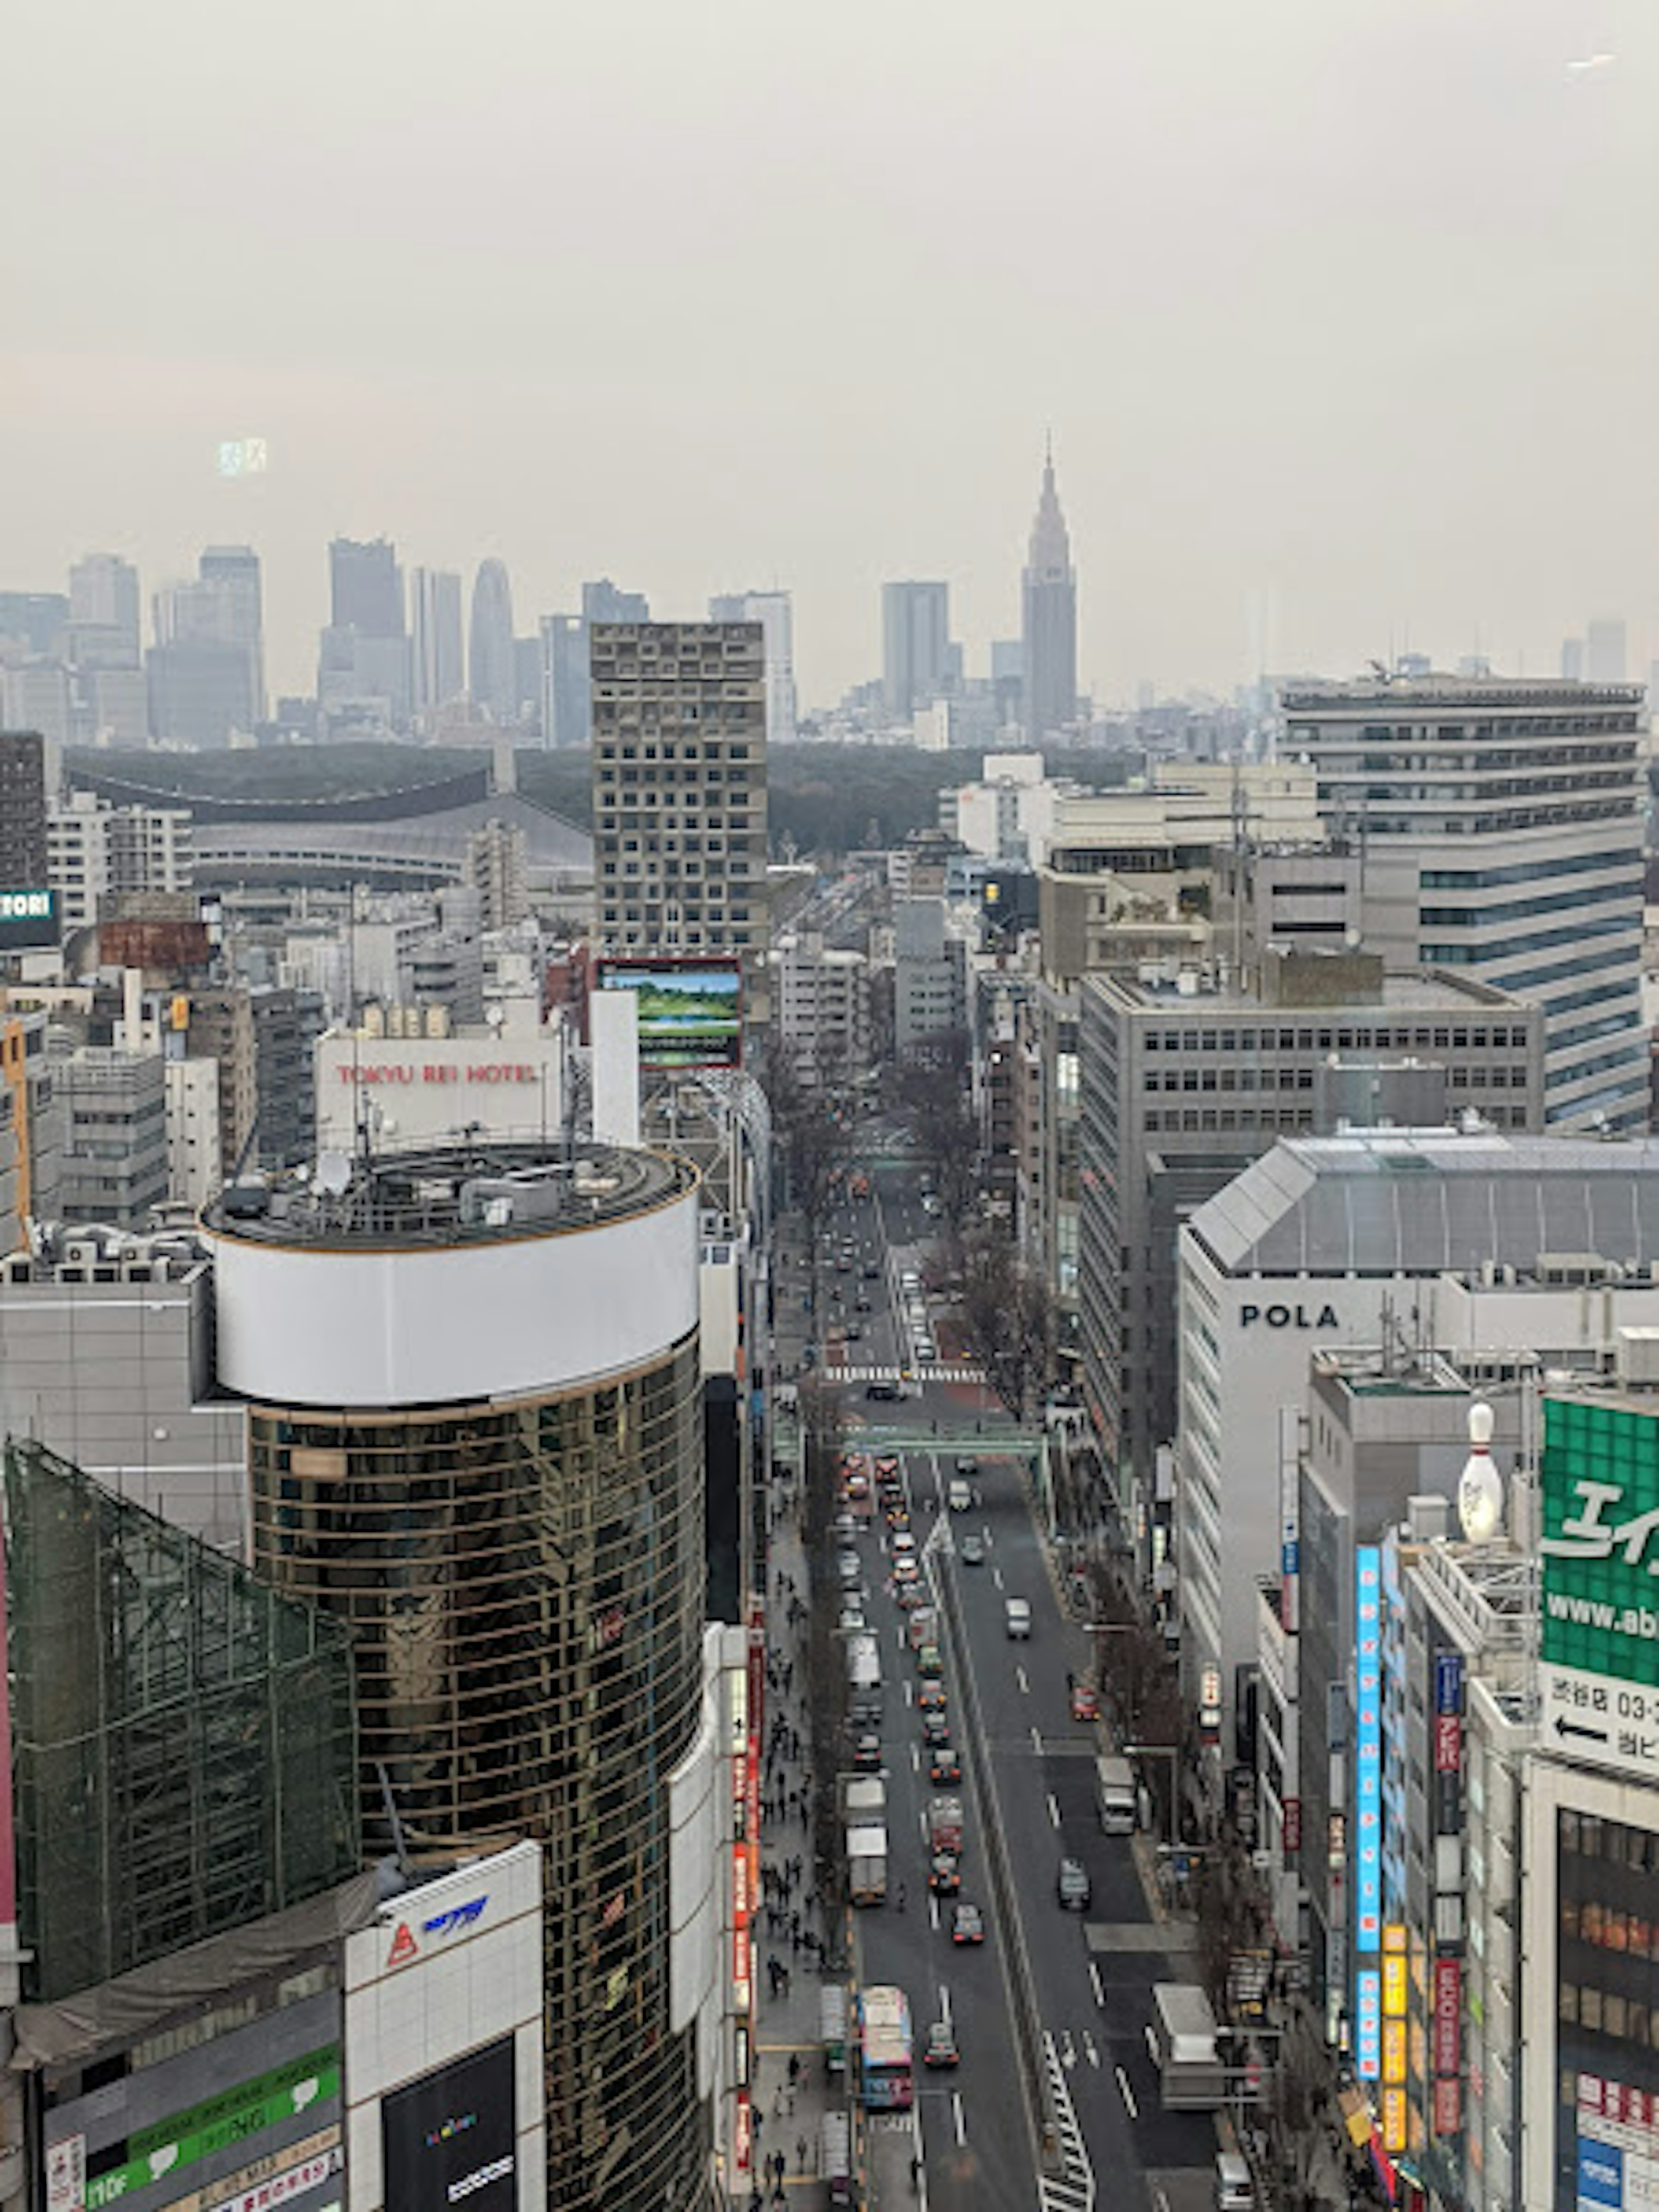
(886, 2082)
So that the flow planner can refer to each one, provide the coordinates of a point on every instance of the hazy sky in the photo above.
(1344, 306)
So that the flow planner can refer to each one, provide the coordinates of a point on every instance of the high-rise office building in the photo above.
(491, 676)
(605, 602)
(232, 572)
(567, 703)
(434, 609)
(773, 612)
(104, 595)
(1050, 600)
(476, 1435)
(366, 587)
(23, 842)
(1502, 828)
(915, 645)
(206, 667)
(1604, 650)
(680, 790)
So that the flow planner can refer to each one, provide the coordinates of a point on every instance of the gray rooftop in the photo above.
(416, 848)
(1422, 1202)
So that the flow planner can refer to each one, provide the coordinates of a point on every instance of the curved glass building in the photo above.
(475, 1437)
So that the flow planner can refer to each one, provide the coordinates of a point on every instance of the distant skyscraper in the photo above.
(366, 587)
(233, 571)
(915, 645)
(104, 592)
(23, 840)
(772, 610)
(1573, 659)
(605, 602)
(566, 707)
(489, 673)
(1050, 617)
(434, 609)
(1604, 650)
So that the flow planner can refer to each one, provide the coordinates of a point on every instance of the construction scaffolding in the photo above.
(184, 1739)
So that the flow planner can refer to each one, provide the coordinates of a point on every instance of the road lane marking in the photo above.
(1129, 2094)
(908, 1697)
(996, 1577)
(1020, 1677)
(933, 1910)
(944, 2004)
(916, 1758)
(1100, 1994)
(1053, 1810)
(957, 2115)
(1089, 2051)
(1160, 2202)
(1036, 1741)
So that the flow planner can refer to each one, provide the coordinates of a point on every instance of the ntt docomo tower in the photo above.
(475, 1434)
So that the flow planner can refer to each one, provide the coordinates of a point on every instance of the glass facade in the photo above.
(1608, 2002)
(525, 1586)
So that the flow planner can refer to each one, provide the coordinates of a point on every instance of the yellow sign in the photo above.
(1394, 1937)
(1393, 2119)
(1394, 2050)
(1395, 1985)
(178, 1014)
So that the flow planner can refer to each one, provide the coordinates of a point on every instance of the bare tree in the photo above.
(1007, 1319)
(932, 1091)
(1232, 1919)
(812, 1144)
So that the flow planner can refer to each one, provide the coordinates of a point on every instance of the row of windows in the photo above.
(1503, 1076)
(1604, 2013)
(1537, 940)
(1558, 971)
(1629, 891)
(1291, 1118)
(1527, 872)
(1560, 816)
(1363, 1037)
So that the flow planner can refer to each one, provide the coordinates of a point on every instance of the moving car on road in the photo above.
(866, 1754)
(966, 1924)
(932, 1697)
(1086, 1702)
(972, 1551)
(1072, 1886)
(940, 2048)
(945, 1874)
(935, 1729)
(1016, 1613)
(944, 1767)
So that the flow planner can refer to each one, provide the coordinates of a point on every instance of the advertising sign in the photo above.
(1448, 1683)
(1448, 2016)
(1447, 2107)
(1395, 2068)
(1368, 1747)
(28, 921)
(450, 2138)
(1393, 2119)
(690, 1012)
(1448, 1744)
(169, 2146)
(1368, 2041)
(1601, 1584)
(1293, 1824)
(1394, 1986)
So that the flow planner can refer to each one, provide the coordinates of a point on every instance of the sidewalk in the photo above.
(791, 1935)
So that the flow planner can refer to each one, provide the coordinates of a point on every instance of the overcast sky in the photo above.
(1343, 308)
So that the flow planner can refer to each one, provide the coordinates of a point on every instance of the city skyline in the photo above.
(1190, 213)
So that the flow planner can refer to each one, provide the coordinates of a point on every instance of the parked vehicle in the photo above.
(1116, 1798)
(1183, 2040)
(1072, 1886)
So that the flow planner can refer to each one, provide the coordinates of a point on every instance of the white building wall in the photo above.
(448, 1967)
(195, 1170)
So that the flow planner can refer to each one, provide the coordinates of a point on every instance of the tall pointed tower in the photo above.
(1050, 616)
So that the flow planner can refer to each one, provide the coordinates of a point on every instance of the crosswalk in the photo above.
(936, 1370)
(1072, 2189)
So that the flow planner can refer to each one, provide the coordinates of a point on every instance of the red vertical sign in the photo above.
(1448, 2016)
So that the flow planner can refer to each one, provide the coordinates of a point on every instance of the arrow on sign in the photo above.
(1570, 1727)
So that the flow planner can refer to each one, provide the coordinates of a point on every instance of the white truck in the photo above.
(1181, 2038)
(864, 1810)
(1116, 1798)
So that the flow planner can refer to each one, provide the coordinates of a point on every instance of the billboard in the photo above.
(1600, 1583)
(1368, 1747)
(452, 2137)
(691, 1012)
(29, 920)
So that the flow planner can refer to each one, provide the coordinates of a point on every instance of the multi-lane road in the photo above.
(1051, 1991)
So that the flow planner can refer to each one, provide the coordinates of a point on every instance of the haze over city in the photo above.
(1337, 314)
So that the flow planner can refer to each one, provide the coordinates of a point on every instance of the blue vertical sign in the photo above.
(1367, 1748)
(1449, 1682)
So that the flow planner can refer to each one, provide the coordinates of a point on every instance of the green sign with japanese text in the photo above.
(1601, 1539)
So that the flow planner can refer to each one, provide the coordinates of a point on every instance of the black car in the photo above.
(935, 1729)
(866, 1754)
(944, 1768)
(1072, 1885)
(888, 1393)
(945, 1874)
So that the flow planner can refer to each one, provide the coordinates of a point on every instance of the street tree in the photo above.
(1007, 1320)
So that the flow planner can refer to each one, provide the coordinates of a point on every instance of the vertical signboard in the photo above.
(1367, 1748)
(1600, 1550)
(1368, 2013)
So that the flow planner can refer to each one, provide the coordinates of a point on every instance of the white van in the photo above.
(1017, 1612)
(959, 1495)
(1234, 2190)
